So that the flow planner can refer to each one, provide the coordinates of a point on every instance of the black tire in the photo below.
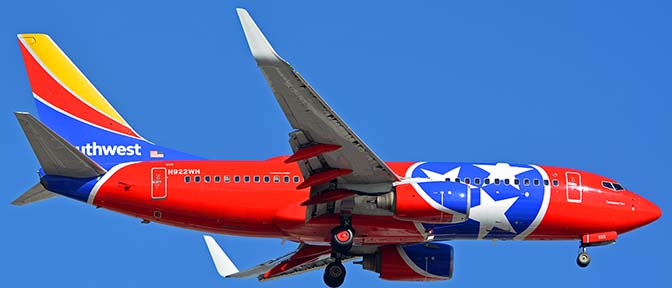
(334, 274)
(338, 243)
(583, 259)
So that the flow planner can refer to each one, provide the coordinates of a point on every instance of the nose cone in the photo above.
(647, 212)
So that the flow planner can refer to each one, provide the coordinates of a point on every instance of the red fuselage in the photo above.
(260, 199)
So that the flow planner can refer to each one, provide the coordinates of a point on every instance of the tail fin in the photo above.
(69, 104)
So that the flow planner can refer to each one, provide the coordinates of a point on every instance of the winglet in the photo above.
(222, 262)
(261, 50)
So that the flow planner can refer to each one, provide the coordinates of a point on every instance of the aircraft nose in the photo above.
(647, 211)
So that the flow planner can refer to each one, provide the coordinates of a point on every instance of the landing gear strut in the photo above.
(341, 242)
(584, 258)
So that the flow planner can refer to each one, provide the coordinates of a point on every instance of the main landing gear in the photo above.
(341, 242)
(584, 258)
(334, 274)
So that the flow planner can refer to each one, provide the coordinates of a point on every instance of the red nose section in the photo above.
(648, 212)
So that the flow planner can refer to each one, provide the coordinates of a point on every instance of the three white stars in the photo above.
(489, 213)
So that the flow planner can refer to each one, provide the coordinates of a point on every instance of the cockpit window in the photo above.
(607, 185)
(612, 186)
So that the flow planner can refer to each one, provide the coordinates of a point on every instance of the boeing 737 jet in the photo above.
(333, 195)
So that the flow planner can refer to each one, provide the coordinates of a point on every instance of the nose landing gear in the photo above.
(341, 242)
(592, 240)
(583, 259)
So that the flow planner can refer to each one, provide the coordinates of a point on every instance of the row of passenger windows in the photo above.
(487, 181)
(245, 178)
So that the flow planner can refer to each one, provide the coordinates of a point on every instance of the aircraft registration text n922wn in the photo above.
(333, 195)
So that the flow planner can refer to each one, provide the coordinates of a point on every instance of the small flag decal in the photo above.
(155, 154)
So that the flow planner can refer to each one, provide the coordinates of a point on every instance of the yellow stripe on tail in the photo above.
(61, 67)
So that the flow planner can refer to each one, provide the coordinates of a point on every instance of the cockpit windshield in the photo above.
(613, 186)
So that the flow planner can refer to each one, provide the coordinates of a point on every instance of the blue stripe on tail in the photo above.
(105, 147)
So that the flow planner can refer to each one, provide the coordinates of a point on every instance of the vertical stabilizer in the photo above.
(69, 104)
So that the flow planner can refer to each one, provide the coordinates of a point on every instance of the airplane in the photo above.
(333, 195)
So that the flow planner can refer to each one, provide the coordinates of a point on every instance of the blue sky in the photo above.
(582, 84)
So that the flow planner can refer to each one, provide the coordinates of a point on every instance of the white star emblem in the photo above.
(503, 171)
(433, 176)
(490, 214)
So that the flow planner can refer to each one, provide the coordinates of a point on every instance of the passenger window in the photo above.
(197, 179)
(447, 179)
(267, 179)
(187, 179)
(217, 179)
(296, 179)
(236, 178)
(467, 180)
(227, 179)
(457, 180)
(506, 182)
(285, 179)
(256, 178)
(276, 179)
(555, 182)
(477, 181)
(497, 181)
(526, 182)
(206, 179)
(516, 181)
(486, 181)
(618, 187)
(545, 182)
(536, 182)
(246, 178)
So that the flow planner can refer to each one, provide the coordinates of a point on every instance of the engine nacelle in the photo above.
(433, 202)
(417, 262)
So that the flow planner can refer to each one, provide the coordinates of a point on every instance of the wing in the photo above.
(324, 146)
(305, 258)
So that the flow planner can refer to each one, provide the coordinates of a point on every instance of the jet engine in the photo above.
(433, 202)
(416, 262)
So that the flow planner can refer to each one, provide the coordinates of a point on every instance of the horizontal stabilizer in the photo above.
(55, 154)
(34, 194)
(222, 262)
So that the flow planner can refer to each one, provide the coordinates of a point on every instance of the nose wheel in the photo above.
(583, 259)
